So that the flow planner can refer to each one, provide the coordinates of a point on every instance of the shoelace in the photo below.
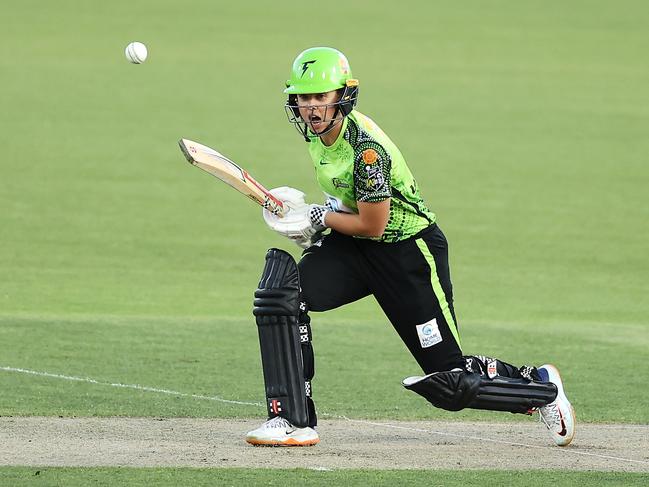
(278, 422)
(551, 411)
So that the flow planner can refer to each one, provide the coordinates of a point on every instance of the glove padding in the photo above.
(301, 223)
(298, 222)
(291, 197)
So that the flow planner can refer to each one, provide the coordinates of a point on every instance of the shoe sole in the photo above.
(567, 439)
(288, 442)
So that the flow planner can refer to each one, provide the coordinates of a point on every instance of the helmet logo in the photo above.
(305, 66)
(344, 65)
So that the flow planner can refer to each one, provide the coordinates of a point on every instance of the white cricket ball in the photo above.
(136, 52)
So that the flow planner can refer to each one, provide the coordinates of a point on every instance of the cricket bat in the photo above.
(221, 167)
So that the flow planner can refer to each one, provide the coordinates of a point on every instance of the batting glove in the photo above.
(301, 222)
(317, 215)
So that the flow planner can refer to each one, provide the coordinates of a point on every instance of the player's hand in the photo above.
(305, 243)
(300, 222)
(291, 197)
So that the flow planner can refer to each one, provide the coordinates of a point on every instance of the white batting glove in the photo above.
(317, 215)
(291, 197)
(305, 243)
(300, 222)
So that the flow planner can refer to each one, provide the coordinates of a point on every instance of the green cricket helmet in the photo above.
(320, 70)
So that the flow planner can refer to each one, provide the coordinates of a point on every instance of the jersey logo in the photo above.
(370, 156)
(375, 178)
(305, 66)
(339, 183)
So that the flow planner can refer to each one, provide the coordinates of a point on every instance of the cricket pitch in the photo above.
(345, 443)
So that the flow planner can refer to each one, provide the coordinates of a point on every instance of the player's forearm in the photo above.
(355, 225)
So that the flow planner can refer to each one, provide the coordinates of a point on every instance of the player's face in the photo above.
(318, 109)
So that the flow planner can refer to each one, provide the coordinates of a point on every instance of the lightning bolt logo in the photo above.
(305, 66)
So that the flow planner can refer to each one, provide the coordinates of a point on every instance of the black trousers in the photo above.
(410, 280)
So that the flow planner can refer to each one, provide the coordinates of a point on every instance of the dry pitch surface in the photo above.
(140, 442)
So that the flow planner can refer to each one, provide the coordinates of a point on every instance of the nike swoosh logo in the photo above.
(564, 430)
(323, 162)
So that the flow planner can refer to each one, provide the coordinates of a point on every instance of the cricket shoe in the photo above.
(278, 431)
(559, 415)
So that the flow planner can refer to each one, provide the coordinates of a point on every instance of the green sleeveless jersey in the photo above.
(365, 165)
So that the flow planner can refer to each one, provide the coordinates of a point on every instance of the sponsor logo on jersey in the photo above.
(375, 178)
(370, 156)
(429, 334)
(339, 183)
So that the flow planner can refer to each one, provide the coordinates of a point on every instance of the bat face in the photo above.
(230, 173)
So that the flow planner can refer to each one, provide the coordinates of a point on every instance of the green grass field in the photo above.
(525, 124)
(208, 477)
